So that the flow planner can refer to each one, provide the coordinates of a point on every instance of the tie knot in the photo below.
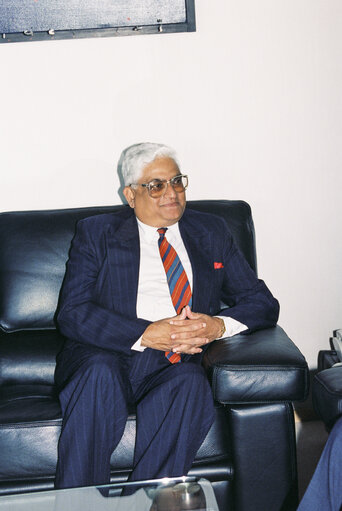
(162, 232)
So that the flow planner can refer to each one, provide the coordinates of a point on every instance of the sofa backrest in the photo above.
(34, 248)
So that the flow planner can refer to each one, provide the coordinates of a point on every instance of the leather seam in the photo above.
(25, 425)
(204, 460)
(259, 368)
(329, 391)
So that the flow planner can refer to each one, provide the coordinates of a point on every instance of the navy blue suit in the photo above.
(324, 492)
(99, 375)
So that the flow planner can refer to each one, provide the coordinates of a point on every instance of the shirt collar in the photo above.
(150, 234)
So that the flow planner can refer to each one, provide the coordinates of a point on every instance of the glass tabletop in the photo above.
(168, 494)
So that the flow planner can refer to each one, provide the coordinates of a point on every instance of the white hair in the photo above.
(135, 158)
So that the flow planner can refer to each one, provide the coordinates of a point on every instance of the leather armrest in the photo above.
(327, 395)
(326, 359)
(264, 366)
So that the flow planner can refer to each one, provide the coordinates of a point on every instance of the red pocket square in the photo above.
(217, 266)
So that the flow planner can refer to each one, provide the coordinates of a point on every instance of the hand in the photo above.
(165, 334)
(212, 326)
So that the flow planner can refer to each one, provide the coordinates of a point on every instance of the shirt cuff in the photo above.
(233, 326)
(137, 345)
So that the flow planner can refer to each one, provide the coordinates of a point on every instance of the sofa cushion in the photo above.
(30, 425)
(30, 421)
(29, 357)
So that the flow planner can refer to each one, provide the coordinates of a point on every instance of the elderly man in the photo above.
(140, 302)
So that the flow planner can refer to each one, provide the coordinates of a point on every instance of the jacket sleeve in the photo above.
(248, 298)
(82, 316)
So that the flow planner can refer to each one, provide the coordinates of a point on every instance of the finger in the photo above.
(188, 325)
(190, 314)
(190, 332)
(193, 341)
(189, 350)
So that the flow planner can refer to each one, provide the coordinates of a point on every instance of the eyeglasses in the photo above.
(157, 187)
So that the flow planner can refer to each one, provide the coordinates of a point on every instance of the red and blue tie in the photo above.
(177, 280)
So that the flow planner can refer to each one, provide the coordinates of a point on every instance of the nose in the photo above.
(169, 190)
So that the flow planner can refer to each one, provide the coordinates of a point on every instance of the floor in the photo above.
(311, 437)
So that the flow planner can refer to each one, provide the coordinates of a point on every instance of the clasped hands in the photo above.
(185, 333)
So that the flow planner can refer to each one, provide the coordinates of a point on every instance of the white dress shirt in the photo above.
(154, 299)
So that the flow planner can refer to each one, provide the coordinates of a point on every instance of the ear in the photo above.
(129, 195)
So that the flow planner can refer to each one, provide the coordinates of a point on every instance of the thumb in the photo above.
(189, 313)
(180, 316)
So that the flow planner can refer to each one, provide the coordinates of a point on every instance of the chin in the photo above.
(171, 220)
(173, 213)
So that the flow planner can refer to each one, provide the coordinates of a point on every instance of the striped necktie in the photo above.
(177, 280)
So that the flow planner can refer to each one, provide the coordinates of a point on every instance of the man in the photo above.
(140, 302)
(325, 490)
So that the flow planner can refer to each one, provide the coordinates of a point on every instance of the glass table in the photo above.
(176, 494)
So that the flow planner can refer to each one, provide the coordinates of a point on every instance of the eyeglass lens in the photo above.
(157, 188)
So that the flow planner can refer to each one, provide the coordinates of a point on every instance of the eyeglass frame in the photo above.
(166, 181)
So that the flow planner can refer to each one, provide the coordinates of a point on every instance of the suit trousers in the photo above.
(174, 410)
(325, 489)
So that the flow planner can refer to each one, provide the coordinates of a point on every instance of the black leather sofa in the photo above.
(250, 452)
(327, 387)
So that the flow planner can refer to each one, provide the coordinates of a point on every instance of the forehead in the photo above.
(160, 168)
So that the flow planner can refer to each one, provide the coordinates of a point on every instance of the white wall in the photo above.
(252, 101)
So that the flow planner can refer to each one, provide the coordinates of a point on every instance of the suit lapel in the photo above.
(198, 242)
(123, 251)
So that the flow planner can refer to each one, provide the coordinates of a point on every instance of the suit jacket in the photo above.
(99, 293)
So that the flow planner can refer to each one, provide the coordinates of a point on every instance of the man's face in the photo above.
(164, 210)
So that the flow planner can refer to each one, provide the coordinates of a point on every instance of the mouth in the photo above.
(170, 205)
